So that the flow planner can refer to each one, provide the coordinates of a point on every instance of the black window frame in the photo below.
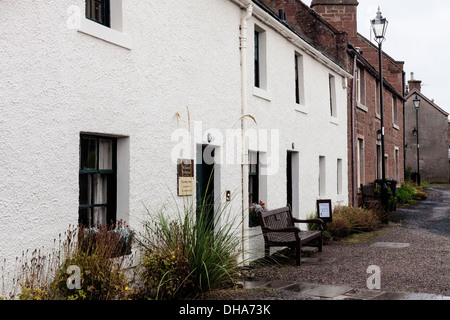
(86, 206)
(104, 17)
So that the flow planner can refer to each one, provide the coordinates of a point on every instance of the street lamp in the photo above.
(417, 106)
(379, 27)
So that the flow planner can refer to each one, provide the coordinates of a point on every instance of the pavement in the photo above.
(310, 291)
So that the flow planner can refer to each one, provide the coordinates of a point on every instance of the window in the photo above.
(394, 111)
(360, 162)
(360, 87)
(253, 177)
(260, 58)
(339, 176)
(299, 84)
(332, 93)
(99, 11)
(103, 20)
(322, 177)
(97, 181)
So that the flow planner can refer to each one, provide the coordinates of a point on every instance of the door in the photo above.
(205, 185)
(289, 178)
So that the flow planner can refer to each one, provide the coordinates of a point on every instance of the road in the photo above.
(432, 214)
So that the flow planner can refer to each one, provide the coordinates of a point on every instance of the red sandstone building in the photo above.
(331, 26)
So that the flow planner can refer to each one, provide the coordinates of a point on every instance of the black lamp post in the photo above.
(379, 27)
(416, 132)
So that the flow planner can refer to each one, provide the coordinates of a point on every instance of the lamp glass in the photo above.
(379, 25)
(416, 102)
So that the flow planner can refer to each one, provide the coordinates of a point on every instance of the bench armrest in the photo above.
(319, 222)
(291, 229)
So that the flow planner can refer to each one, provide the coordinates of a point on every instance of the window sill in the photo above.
(362, 107)
(104, 33)
(334, 120)
(301, 108)
(261, 93)
(396, 127)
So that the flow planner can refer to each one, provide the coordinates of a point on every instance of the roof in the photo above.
(415, 91)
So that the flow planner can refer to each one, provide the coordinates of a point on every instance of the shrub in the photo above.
(348, 220)
(102, 270)
(405, 193)
(340, 227)
(188, 255)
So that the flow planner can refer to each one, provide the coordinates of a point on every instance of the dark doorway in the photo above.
(205, 186)
(289, 178)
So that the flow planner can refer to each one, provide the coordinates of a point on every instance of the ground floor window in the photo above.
(97, 181)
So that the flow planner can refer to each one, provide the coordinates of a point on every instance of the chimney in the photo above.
(342, 14)
(414, 84)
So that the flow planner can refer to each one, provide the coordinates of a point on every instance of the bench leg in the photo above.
(267, 251)
(297, 254)
(320, 243)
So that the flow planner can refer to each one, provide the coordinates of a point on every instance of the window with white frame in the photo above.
(260, 65)
(339, 176)
(299, 81)
(360, 86)
(103, 19)
(322, 176)
(394, 110)
(332, 95)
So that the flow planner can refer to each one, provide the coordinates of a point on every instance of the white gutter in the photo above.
(244, 104)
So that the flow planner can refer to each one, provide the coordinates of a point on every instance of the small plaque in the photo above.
(185, 177)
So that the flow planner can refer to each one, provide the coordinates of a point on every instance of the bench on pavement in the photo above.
(278, 227)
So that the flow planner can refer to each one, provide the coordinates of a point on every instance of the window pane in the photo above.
(88, 154)
(105, 155)
(85, 189)
(100, 189)
(253, 162)
(84, 215)
(99, 216)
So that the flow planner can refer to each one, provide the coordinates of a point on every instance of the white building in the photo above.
(89, 113)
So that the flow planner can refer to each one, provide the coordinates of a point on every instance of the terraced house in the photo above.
(108, 106)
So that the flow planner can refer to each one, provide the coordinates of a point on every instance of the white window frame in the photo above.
(112, 35)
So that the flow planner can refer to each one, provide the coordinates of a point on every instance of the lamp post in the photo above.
(379, 26)
(416, 131)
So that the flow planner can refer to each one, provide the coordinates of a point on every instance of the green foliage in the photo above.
(188, 255)
(409, 192)
(102, 270)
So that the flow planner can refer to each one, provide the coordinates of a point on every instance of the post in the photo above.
(384, 191)
(418, 147)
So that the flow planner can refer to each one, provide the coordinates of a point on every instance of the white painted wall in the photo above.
(168, 57)
(312, 130)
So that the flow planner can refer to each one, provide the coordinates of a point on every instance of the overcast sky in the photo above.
(418, 34)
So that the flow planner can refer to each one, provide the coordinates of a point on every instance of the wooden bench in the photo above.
(370, 199)
(279, 231)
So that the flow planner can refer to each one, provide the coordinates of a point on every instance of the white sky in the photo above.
(419, 34)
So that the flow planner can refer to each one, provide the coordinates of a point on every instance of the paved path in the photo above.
(413, 254)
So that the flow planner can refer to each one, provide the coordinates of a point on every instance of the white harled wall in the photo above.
(59, 79)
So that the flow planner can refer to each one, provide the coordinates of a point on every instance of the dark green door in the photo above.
(205, 186)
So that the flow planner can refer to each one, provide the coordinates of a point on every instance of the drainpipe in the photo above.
(354, 186)
(244, 104)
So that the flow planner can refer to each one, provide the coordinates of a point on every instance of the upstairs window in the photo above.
(99, 11)
(332, 93)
